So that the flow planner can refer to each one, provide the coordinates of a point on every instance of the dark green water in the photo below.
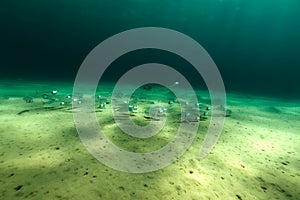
(255, 44)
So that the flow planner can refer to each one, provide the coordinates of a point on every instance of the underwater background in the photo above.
(256, 47)
(255, 44)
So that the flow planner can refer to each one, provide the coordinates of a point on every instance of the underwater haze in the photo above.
(255, 44)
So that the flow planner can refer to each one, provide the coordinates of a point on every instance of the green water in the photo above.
(254, 43)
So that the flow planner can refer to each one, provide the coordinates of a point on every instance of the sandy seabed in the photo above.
(42, 157)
